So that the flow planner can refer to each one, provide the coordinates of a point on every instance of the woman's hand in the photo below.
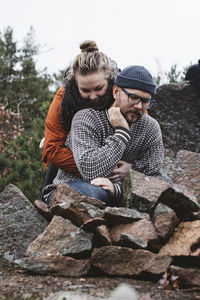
(105, 183)
(120, 171)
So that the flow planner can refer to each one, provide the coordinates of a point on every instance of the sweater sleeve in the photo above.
(54, 150)
(93, 157)
(150, 162)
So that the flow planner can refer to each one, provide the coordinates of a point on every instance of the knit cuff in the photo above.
(117, 192)
(123, 133)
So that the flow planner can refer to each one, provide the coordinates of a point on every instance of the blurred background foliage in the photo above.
(25, 95)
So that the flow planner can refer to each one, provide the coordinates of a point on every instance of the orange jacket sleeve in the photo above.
(54, 150)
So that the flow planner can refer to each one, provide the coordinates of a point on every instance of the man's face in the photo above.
(130, 109)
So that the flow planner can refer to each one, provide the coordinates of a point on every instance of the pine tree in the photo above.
(22, 87)
(24, 97)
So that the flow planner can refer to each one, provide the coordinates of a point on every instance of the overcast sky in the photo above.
(153, 33)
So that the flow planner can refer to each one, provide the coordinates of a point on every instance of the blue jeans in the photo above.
(90, 190)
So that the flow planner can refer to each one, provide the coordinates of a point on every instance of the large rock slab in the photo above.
(187, 171)
(177, 111)
(185, 240)
(141, 191)
(20, 223)
(63, 238)
(57, 265)
(121, 261)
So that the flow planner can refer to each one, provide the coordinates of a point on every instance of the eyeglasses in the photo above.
(134, 99)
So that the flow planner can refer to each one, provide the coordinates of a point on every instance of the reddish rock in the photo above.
(187, 171)
(165, 223)
(63, 238)
(80, 213)
(121, 261)
(139, 234)
(184, 241)
(57, 265)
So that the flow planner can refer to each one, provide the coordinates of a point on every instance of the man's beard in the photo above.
(138, 113)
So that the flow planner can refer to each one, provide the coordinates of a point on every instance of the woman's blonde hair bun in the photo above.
(88, 46)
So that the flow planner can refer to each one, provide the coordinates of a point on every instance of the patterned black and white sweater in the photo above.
(98, 147)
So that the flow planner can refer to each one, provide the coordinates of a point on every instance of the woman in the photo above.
(88, 83)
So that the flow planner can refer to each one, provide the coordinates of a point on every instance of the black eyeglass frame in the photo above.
(135, 97)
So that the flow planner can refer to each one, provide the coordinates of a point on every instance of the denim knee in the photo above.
(90, 190)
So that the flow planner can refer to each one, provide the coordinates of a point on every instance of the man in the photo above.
(124, 132)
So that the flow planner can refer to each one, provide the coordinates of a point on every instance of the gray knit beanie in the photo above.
(136, 77)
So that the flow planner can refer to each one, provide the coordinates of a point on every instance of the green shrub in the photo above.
(20, 163)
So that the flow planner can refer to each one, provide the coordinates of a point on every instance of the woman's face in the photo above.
(92, 86)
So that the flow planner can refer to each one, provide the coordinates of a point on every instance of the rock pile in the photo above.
(156, 230)
(84, 233)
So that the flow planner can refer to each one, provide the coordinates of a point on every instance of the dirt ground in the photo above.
(16, 284)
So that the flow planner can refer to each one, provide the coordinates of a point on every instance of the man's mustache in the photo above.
(135, 111)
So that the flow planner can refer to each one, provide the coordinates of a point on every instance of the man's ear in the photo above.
(115, 91)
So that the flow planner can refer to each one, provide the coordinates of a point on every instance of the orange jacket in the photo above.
(54, 150)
